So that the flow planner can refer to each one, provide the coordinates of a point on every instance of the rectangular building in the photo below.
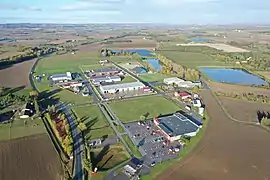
(172, 80)
(104, 72)
(177, 125)
(62, 77)
(106, 79)
(121, 87)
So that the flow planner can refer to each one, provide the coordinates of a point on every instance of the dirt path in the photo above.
(17, 75)
(228, 151)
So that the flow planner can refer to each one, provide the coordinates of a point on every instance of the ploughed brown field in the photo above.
(244, 110)
(228, 151)
(16, 75)
(29, 158)
(215, 86)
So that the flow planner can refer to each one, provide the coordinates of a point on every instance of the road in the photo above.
(78, 145)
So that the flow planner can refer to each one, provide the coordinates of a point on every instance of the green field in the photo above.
(191, 59)
(153, 77)
(150, 106)
(62, 94)
(17, 128)
(120, 59)
(127, 79)
(132, 147)
(66, 62)
(95, 121)
(107, 158)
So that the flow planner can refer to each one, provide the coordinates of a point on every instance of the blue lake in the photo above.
(6, 40)
(233, 76)
(141, 52)
(199, 40)
(155, 63)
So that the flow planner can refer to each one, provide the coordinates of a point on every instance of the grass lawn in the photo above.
(94, 120)
(190, 59)
(66, 62)
(17, 128)
(153, 77)
(132, 147)
(127, 79)
(150, 106)
(62, 94)
(107, 158)
(161, 167)
(120, 59)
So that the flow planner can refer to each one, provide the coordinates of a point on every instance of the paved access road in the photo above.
(78, 145)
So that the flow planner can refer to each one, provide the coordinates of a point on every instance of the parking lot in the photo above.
(155, 146)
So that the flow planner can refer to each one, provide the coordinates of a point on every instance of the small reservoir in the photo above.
(155, 63)
(199, 40)
(232, 76)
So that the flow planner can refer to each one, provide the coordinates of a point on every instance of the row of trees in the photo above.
(171, 68)
(245, 96)
(27, 54)
(59, 124)
(11, 99)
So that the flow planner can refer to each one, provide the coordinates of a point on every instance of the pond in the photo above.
(155, 63)
(199, 40)
(6, 40)
(141, 52)
(233, 76)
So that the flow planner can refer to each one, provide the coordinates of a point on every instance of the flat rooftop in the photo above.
(107, 69)
(124, 85)
(177, 124)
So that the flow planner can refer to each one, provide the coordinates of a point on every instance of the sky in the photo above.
(136, 11)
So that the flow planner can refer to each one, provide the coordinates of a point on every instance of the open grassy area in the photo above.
(94, 120)
(66, 62)
(150, 106)
(153, 77)
(120, 59)
(17, 128)
(132, 147)
(191, 59)
(127, 79)
(161, 167)
(107, 158)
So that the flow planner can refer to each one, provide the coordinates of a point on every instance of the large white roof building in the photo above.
(172, 80)
(121, 87)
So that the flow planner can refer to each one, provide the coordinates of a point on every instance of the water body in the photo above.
(141, 52)
(199, 40)
(2, 40)
(155, 63)
(233, 76)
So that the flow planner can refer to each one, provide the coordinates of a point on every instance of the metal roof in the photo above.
(59, 76)
(104, 78)
(122, 86)
(177, 124)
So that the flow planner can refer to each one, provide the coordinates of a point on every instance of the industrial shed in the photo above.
(106, 79)
(172, 80)
(61, 77)
(121, 87)
(177, 125)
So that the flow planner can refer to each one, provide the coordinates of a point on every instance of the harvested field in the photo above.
(244, 110)
(266, 74)
(215, 86)
(16, 75)
(228, 150)
(31, 158)
(222, 47)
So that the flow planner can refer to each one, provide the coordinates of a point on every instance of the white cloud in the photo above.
(7, 6)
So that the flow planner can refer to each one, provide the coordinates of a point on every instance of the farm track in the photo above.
(228, 150)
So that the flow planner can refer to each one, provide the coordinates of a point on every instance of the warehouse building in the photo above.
(104, 72)
(173, 80)
(181, 83)
(62, 77)
(106, 79)
(173, 127)
(114, 88)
